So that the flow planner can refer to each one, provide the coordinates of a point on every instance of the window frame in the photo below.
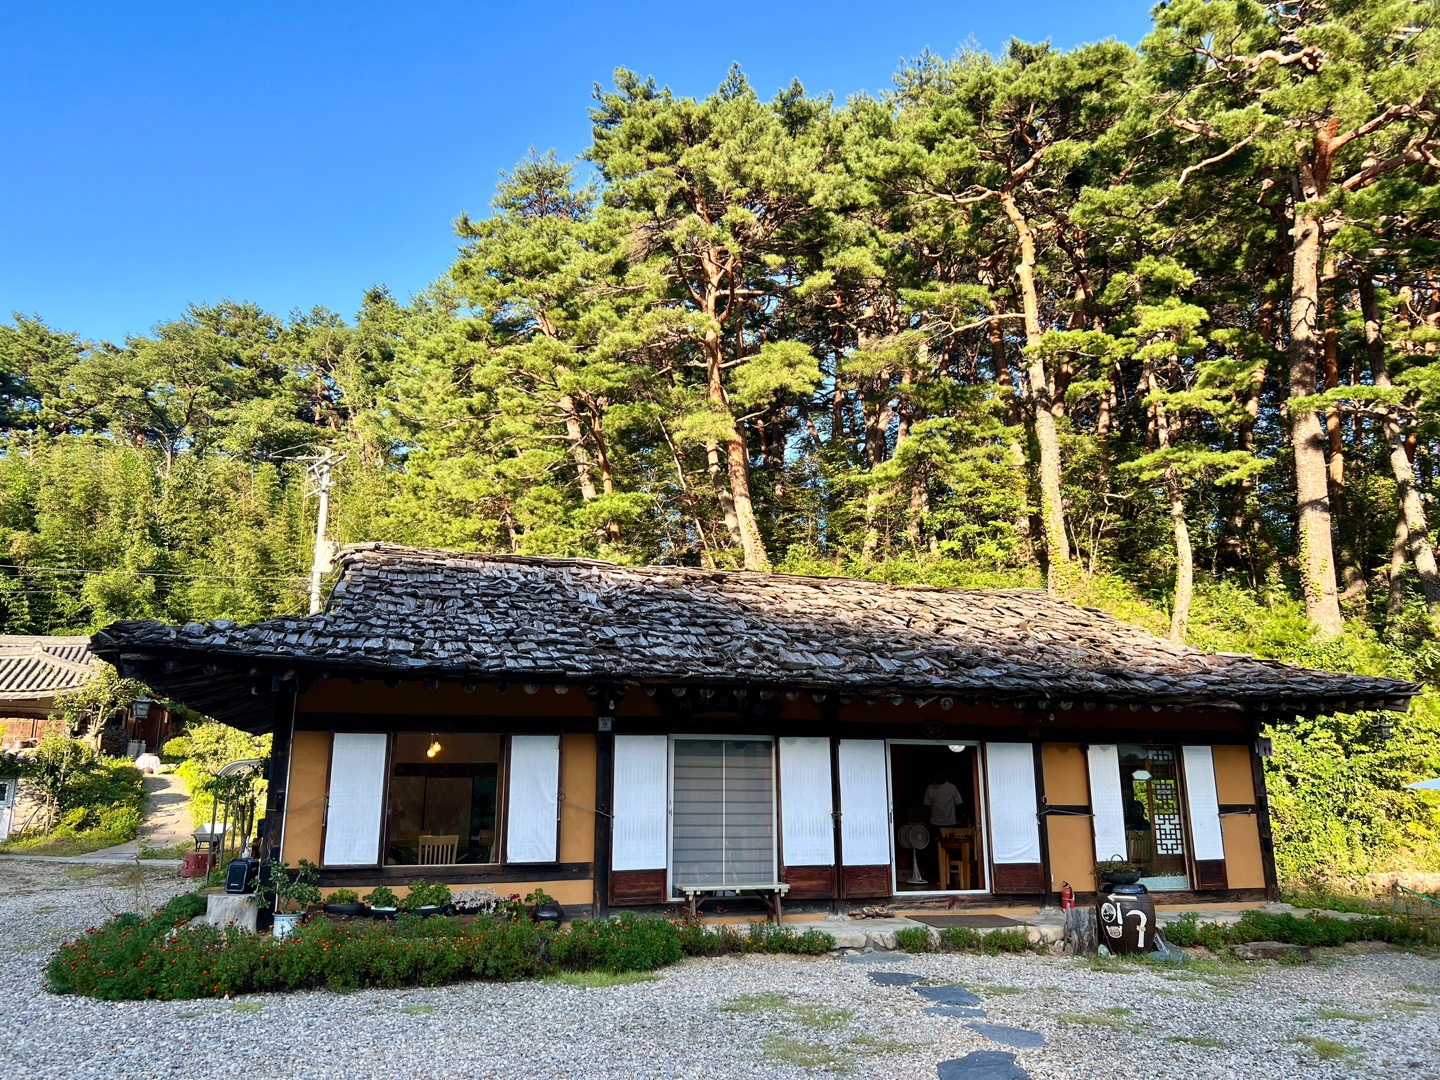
(670, 886)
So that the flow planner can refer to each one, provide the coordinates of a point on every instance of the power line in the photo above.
(292, 578)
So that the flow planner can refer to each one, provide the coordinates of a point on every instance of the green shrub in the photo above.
(343, 896)
(628, 943)
(1312, 930)
(1005, 941)
(960, 939)
(773, 938)
(913, 939)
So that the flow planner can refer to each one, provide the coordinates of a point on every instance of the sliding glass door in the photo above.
(723, 812)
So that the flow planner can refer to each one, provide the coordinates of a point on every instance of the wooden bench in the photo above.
(772, 892)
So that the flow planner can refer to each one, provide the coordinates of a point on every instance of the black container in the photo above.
(549, 913)
(347, 910)
(242, 875)
(1125, 917)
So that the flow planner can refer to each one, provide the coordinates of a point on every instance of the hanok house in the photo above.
(612, 734)
(34, 671)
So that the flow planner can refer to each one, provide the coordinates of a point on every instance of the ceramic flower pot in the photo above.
(285, 923)
(382, 912)
(1126, 919)
(349, 910)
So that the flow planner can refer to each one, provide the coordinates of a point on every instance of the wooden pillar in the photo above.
(278, 773)
(604, 822)
(1262, 810)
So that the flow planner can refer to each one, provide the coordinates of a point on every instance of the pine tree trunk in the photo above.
(574, 434)
(1312, 484)
(1412, 508)
(1395, 602)
(1184, 559)
(1052, 510)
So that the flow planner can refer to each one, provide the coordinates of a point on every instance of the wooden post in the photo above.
(1080, 932)
(604, 808)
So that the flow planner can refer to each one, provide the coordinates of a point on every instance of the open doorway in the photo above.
(939, 846)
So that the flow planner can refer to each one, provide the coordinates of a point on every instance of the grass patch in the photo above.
(748, 1003)
(174, 851)
(84, 873)
(1416, 988)
(1329, 1049)
(1341, 1014)
(803, 1054)
(821, 1016)
(878, 1044)
(246, 1007)
(189, 1015)
(1199, 1040)
(999, 990)
(1112, 1018)
(46, 909)
(597, 980)
(1117, 965)
(417, 1010)
(1409, 1008)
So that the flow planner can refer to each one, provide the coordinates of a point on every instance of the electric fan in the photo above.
(916, 837)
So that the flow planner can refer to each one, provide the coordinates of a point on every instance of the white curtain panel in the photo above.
(532, 820)
(723, 823)
(1107, 803)
(1014, 826)
(642, 767)
(357, 790)
(864, 803)
(807, 830)
(1205, 833)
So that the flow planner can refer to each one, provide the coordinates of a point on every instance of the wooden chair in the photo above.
(957, 853)
(438, 850)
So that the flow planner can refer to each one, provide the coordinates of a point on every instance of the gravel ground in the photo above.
(760, 1016)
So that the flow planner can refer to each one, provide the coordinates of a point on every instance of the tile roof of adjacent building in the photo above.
(34, 666)
(414, 613)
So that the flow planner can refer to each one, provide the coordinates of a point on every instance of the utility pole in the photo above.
(318, 472)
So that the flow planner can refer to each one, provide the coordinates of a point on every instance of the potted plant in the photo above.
(1117, 872)
(294, 893)
(344, 902)
(477, 900)
(427, 897)
(543, 907)
(383, 902)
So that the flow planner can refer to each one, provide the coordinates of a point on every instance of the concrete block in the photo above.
(240, 909)
(881, 939)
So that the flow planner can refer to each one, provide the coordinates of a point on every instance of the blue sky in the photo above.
(295, 154)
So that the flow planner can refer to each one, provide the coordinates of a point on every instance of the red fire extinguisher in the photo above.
(1067, 896)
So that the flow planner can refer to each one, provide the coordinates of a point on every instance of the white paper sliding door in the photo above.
(641, 802)
(1107, 806)
(533, 811)
(1205, 833)
(1014, 820)
(864, 803)
(807, 827)
(353, 806)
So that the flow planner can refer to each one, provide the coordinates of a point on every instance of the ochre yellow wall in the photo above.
(577, 812)
(1070, 837)
(1234, 783)
(1067, 778)
(1072, 852)
(1244, 866)
(305, 796)
(1235, 786)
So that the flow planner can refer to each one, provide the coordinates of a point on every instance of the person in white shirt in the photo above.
(941, 797)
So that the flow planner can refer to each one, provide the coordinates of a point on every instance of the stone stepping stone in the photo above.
(875, 958)
(1020, 1038)
(947, 995)
(959, 1012)
(983, 1065)
(893, 978)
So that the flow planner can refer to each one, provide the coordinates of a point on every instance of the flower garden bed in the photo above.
(163, 957)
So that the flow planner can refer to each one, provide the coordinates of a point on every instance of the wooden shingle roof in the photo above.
(417, 613)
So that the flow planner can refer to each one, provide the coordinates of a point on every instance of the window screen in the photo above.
(723, 825)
